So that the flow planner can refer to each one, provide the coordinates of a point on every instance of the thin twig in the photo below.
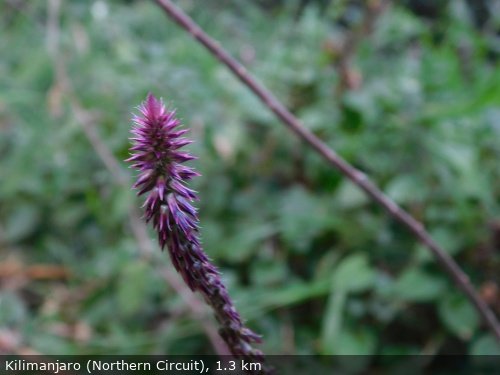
(331, 157)
(139, 230)
(373, 10)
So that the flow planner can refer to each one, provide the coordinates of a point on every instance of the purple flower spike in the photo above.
(162, 178)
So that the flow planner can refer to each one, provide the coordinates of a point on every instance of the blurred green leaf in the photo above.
(264, 299)
(13, 311)
(22, 222)
(485, 345)
(245, 242)
(405, 189)
(356, 341)
(353, 274)
(332, 322)
(132, 287)
(350, 196)
(302, 217)
(416, 285)
(458, 315)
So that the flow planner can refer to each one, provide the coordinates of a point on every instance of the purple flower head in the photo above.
(162, 179)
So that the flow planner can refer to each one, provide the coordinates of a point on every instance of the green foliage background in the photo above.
(312, 264)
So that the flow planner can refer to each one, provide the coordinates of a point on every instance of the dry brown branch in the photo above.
(349, 77)
(446, 262)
